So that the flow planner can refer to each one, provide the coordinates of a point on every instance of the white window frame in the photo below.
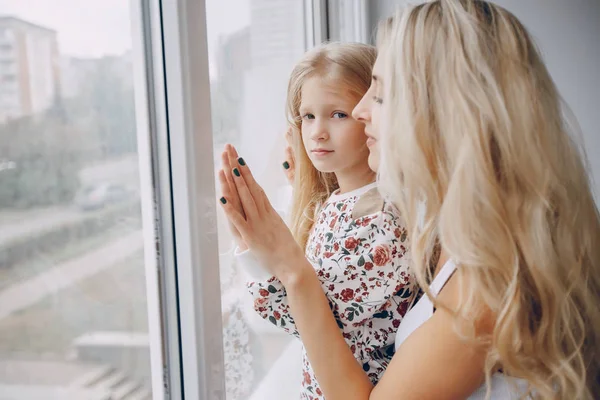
(356, 14)
(175, 139)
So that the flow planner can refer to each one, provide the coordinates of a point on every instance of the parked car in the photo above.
(94, 197)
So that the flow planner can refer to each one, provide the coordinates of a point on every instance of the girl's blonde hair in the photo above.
(348, 67)
(478, 157)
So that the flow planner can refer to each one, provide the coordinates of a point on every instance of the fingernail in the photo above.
(236, 172)
(223, 200)
(286, 165)
(241, 161)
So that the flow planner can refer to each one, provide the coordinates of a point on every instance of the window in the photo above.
(114, 282)
(74, 313)
(251, 54)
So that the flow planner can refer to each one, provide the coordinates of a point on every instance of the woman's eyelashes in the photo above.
(377, 100)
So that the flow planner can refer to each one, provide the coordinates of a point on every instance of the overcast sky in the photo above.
(93, 28)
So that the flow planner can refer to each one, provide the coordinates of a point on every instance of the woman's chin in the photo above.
(374, 161)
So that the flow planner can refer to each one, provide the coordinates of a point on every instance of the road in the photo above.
(16, 224)
(22, 295)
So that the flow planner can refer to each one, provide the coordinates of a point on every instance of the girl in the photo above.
(353, 240)
(477, 155)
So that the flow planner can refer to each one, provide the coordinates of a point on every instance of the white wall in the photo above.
(568, 33)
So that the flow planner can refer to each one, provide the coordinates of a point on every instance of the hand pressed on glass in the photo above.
(229, 160)
(260, 227)
(289, 165)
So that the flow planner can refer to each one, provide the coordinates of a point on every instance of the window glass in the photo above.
(73, 300)
(251, 54)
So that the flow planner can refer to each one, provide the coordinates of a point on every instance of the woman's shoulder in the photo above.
(368, 203)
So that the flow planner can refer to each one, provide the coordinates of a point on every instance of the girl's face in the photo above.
(368, 111)
(334, 141)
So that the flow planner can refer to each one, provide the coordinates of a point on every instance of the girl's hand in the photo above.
(289, 165)
(229, 160)
(261, 227)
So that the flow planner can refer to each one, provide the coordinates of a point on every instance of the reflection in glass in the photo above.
(251, 54)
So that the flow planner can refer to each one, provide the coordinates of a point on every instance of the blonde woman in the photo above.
(477, 155)
(353, 241)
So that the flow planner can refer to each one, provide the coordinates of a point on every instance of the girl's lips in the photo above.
(322, 152)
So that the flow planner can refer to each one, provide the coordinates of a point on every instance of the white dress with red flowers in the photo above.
(359, 249)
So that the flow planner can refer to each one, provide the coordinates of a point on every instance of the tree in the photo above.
(45, 162)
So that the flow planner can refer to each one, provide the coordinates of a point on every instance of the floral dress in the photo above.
(361, 258)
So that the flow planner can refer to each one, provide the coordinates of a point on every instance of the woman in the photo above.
(476, 154)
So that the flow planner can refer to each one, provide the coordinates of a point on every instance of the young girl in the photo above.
(355, 242)
(476, 153)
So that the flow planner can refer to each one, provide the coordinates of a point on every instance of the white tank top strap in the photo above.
(442, 277)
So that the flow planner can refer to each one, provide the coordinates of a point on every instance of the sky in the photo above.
(95, 28)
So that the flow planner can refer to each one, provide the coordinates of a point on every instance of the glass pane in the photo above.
(73, 315)
(251, 53)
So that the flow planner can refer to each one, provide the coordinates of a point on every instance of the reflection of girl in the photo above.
(476, 154)
(355, 242)
(239, 374)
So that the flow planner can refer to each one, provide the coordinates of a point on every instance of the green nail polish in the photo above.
(286, 165)
(223, 200)
(241, 161)
(236, 172)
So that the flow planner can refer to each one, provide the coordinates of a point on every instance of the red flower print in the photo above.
(366, 221)
(319, 392)
(263, 292)
(276, 315)
(328, 254)
(382, 255)
(259, 302)
(402, 308)
(332, 223)
(351, 243)
(307, 380)
(396, 323)
(336, 246)
(368, 266)
(347, 295)
(397, 233)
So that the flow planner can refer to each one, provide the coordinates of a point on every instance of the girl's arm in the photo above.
(268, 293)
(433, 363)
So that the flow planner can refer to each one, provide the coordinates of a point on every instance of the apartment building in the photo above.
(29, 68)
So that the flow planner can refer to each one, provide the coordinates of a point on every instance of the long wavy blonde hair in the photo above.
(477, 154)
(348, 66)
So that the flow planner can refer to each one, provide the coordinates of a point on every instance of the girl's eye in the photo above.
(308, 116)
(377, 100)
(340, 115)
